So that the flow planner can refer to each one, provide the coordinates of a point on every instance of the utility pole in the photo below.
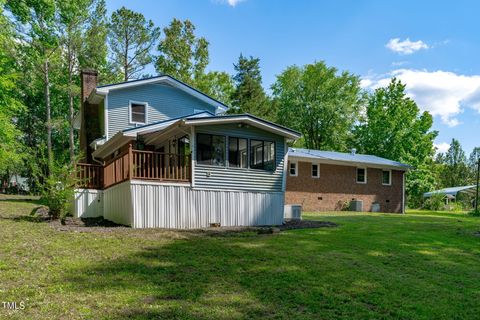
(478, 179)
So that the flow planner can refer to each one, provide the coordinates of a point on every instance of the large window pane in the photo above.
(268, 155)
(256, 154)
(211, 149)
(218, 145)
(204, 149)
(237, 152)
(262, 155)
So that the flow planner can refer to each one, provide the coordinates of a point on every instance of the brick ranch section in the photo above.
(337, 185)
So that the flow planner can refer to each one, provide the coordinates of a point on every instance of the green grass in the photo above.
(422, 265)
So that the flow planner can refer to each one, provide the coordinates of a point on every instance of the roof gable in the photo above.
(167, 80)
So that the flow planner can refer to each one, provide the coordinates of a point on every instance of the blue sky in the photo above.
(432, 46)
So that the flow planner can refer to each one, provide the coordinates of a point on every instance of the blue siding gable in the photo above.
(164, 102)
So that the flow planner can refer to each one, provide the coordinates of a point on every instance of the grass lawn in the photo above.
(423, 265)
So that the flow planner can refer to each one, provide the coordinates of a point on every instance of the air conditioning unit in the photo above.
(292, 212)
(356, 205)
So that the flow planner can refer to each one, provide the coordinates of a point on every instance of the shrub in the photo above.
(58, 190)
(435, 203)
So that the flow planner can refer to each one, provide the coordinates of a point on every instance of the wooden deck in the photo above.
(135, 164)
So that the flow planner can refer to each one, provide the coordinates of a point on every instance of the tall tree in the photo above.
(12, 151)
(319, 102)
(455, 171)
(182, 54)
(217, 84)
(131, 39)
(76, 18)
(473, 164)
(249, 96)
(36, 20)
(394, 128)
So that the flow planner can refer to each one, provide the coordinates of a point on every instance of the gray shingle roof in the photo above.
(346, 157)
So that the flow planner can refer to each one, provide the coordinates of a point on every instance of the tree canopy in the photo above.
(320, 102)
(131, 39)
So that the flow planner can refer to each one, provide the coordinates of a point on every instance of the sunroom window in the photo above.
(262, 155)
(211, 149)
(237, 152)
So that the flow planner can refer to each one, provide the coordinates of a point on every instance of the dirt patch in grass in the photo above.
(101, 225)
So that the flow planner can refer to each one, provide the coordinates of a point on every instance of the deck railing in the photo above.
(136, 164)
(161, 166)
(89, 175)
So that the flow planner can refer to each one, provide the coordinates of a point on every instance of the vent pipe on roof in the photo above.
(353, 151)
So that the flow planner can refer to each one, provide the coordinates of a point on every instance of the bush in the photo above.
(58, 191)
(435, 203)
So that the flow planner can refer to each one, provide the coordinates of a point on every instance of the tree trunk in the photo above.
(49, 120)
(70, 105)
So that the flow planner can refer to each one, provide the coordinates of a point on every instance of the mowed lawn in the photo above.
(415, 266)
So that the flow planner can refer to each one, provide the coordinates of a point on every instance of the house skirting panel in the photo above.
(87, 203)
(183, 207)
(118, 204)
(143, 204)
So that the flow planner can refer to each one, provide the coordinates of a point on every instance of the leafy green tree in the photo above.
(249, 96)
(75, 18)
(320, 103)
(182, 54)
(12, 151)
(218, 85)
(37, 21)
(473, 164)
(131, 38)
(455, 171)
(394, 128)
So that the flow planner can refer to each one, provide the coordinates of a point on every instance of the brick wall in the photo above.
(337, 184)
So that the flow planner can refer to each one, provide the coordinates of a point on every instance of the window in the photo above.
(211, 149)
(387, 177)
(315, 170)
(361, 175)
(237, 152)
(262, 155)
(293, 169)
(138, 112)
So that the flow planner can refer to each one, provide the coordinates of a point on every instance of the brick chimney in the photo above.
(90, 129)
(88, 80)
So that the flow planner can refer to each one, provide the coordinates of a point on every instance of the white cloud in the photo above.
(231, 3)
(442, 93)
(406, 46)
(441, 147)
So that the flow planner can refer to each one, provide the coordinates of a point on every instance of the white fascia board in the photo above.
(171, 81)
(346, 163)
(117, 141)
(150, 128)
(244, 119)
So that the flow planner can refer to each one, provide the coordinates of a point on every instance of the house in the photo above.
(161, 154)
(328, 181)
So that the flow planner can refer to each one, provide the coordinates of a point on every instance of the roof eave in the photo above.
(348, 163)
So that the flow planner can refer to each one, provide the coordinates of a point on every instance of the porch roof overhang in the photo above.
(155, 132)
(247, 119)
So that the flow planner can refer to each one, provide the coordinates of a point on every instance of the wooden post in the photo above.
(130, 162)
